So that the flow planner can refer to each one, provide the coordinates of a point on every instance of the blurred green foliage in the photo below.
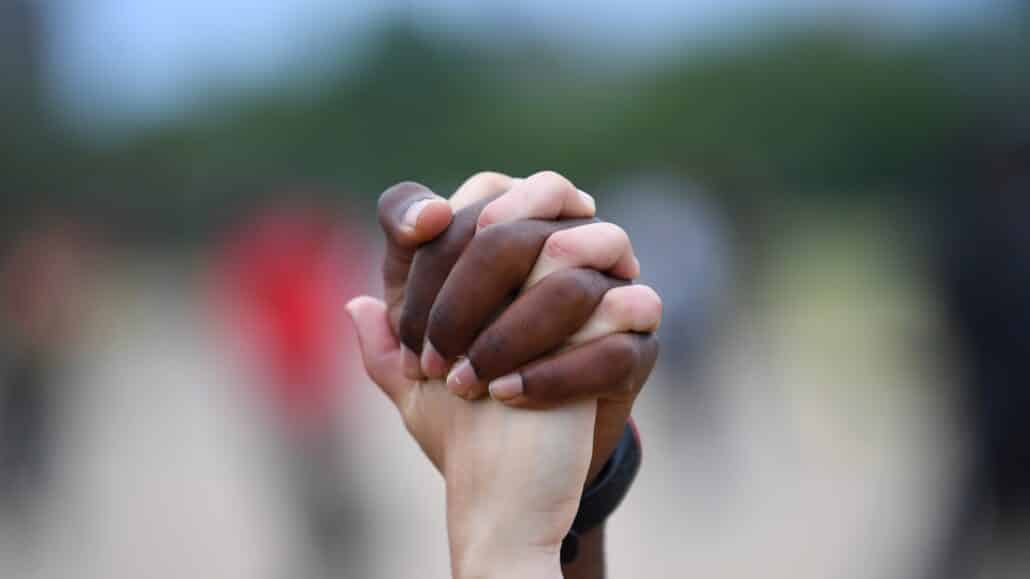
(790, 115)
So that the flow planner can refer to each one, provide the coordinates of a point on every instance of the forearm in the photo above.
(590, 562)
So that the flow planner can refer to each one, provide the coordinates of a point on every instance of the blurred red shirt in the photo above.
(288, 273)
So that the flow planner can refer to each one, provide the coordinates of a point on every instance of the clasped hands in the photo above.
(513, 343)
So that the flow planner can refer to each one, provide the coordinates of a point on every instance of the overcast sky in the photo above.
(130, 58)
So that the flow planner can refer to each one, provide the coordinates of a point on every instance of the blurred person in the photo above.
(282, 274)
(44, 276)
(562, 363)
(694, 278)
(694, 275)
(984, 269)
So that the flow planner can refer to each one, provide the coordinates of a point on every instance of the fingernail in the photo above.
(588, 199)
(506, 387)
(409, 364)
(462, 378)
(433, 364)
(411, 213)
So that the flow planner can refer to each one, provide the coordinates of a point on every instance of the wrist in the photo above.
(491, 562)
(590, 561)
(492, 543)
(489, 545)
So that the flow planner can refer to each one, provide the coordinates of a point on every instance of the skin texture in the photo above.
(514, 477)
(456, 282)
(501, 292)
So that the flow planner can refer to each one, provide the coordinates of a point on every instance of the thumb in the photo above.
(410, 215)
(380, 350)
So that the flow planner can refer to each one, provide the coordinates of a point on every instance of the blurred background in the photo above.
(833, 198)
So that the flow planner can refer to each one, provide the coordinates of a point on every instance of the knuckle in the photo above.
(489, 241)
(573, 288)
(498, 243)
(551, 180)
(591, 239)
(620, 235)
(487, 350)
(448, 327)
(468, 212)
(438, 256)
(638, 305)
(560, 244)
(612, 231)
(489, 215)
(623, 355)
(486, 180)
(651, 304)
(610, 240)
(619, 305)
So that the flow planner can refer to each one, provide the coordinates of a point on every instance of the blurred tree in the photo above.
(809, 113)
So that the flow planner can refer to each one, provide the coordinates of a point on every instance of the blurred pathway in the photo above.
(165, 469)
